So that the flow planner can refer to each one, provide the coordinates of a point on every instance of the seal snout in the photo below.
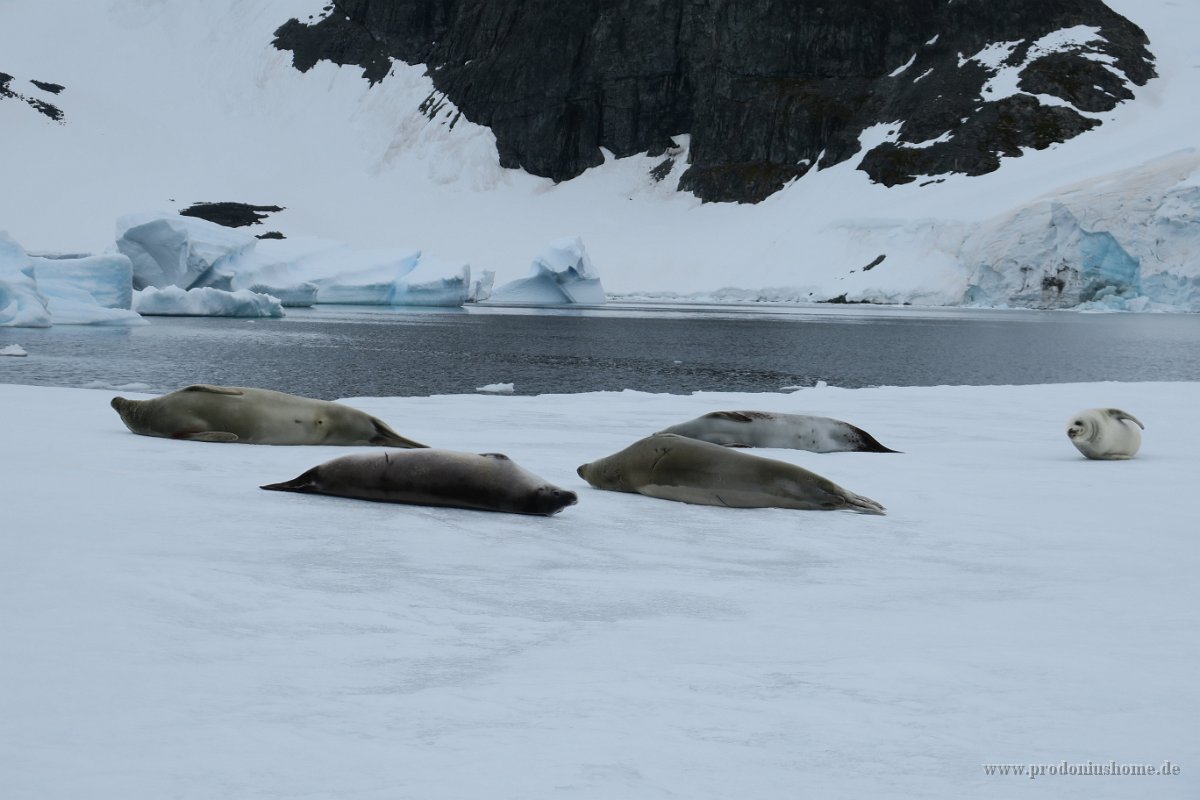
(551, 500)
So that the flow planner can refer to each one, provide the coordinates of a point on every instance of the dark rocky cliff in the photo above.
(768, 89)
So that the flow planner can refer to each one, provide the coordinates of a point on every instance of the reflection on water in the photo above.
(344, 351)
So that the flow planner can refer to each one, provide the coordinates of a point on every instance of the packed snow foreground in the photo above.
(180, 265)
(171, 630)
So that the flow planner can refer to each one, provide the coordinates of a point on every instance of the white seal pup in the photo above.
(204, 413)
(485, 482)
(768, 429)
(1106, 433)
(673, 467)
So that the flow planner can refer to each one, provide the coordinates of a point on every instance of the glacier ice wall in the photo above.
(1129, 241)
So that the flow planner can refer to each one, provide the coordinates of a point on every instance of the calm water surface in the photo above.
(342, 351)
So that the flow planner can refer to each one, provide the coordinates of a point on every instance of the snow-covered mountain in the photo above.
(135, 106)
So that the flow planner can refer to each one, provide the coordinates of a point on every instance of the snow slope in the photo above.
(171, 102)
(169, 630)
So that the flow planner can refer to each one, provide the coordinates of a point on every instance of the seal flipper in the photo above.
(386, 437)
(865, 505)
(205, 387)
(306, 483)
(868, 443)
(1118, 414)
(205, 436)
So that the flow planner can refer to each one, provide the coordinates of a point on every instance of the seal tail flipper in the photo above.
(1117, 413)
(386, 437)
(856, 502)
(869, 444)
(305, 483)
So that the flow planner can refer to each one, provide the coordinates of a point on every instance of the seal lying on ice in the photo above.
(1105, 433)
(204, 413)
(768, 429)
(673, 467)
(486, 482)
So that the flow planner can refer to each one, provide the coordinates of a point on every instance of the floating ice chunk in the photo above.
(188, 252)
(496, 388)
(21, 305)
(13, 350)
(205, 302)
(562, 274)
(107, 278)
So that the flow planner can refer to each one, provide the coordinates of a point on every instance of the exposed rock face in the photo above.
(234, 215)
(41, 106)
(768, 89)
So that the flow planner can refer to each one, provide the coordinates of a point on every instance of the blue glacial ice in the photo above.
(562, 274)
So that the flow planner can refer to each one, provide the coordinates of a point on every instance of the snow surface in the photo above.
(232, 120)
(170, 630)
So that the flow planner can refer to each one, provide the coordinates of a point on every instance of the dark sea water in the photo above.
(343, 351)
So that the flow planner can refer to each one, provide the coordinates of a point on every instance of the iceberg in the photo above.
(173, 250)
(21, 304)
(303, 295)
(562, 274)
(307, 271)
(205, 302)
(73, 305)
(87, 290)
(481, 287)
(107, 278)
(340, 273)
(190, 253)
(363, 277)
(434, 283)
